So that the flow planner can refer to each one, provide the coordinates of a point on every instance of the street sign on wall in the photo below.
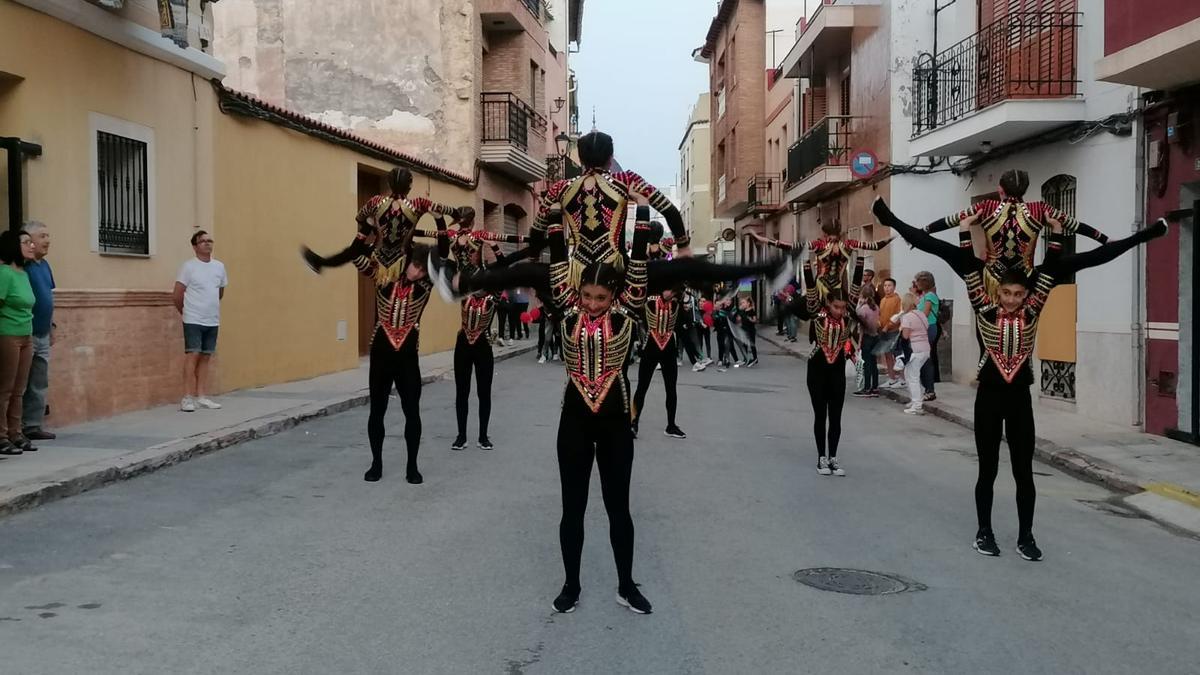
(863, 164)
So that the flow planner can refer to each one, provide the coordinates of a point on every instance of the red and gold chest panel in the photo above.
(1008, 340)
(661, 317)
(477, 313)
(832, 337)
(399, 307)
(595, 352)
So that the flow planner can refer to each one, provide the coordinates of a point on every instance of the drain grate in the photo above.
(736, 390)
(855, 582)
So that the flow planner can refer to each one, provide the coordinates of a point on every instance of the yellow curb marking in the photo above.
(1175, 492)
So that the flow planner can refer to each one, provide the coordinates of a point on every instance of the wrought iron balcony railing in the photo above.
(1023, 55)
(508, 119)
(764, 192)
(827, 143)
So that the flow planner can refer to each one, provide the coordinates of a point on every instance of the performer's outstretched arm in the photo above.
(775, 243)
(661, 203)
(359, 251)
(951, 221)
(961, 258)
(869, 245)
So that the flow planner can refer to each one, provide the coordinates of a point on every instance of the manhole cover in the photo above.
(855, 582)
(736, 390)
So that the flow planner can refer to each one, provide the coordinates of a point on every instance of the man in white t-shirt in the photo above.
(198, 292)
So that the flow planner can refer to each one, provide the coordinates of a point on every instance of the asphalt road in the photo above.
(276, 557)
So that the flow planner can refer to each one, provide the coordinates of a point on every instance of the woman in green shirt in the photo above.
(929, 305)
(16, 338)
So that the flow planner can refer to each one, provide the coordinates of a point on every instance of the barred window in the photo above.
(1059, 192)
(122, 173)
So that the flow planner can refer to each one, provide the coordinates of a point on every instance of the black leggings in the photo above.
(582, 437)
(963, 260)
(651, 357)
(827, 389)
(751, 339)
(479, 357)
(1005, 409)
(402, 369)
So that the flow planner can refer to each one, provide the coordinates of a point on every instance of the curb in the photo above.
(81, 478)
(1068, 460)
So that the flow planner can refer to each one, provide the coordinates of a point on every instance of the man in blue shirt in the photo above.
(41, 277)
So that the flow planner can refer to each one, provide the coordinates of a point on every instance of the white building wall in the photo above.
(1104, 166)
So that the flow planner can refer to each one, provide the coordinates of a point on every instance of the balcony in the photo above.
(561, 168)
(825, 37)
(1014, 79)
(1166, 60)
(514, 137)
(511, 15)
(819, 162)
(764, 193)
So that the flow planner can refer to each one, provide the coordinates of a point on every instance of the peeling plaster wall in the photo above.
(401, 72)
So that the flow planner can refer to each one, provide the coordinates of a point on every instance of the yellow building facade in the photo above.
(136, 155)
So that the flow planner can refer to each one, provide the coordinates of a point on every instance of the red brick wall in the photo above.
(1127, 22)
(115, 352)
(745, 85)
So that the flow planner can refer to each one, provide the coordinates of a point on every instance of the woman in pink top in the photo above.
(914, 327)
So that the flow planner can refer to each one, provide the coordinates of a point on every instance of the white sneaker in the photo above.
(899, 365)
(823, 466)
(187, 404)
(500, 341)
(835, 467)
(700, 365)
(207, 403)
(914, 410)
(708, 361)
(541, 359)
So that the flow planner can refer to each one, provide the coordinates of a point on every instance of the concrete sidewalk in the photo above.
(88, 455)
(1160, 475)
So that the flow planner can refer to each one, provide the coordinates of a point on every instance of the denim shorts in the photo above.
(197, 338)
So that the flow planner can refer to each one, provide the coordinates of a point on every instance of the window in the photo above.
(1059, 192)
(123, 187)
(845, 98)
(533, 84)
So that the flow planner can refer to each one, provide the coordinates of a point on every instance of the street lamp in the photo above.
(559, 103)
(563, 143)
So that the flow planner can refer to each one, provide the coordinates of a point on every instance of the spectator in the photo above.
(930, 306)
(198, 293)
(889, 329)
(914, 327)
(869, 281)
(41, 278)
(868, 315)
(16, 338)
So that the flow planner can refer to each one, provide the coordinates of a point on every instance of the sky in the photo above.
(635, 67)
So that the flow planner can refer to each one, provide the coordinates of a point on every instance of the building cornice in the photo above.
(687, 132)
(105, 24)
(724, 11)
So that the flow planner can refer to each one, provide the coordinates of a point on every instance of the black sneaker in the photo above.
(752, 362)
(460, 443)
(985, 543)
(675, 432)
(1029, 550)
(861, 393)
(567, 600)
(485, 443)
(634, 600)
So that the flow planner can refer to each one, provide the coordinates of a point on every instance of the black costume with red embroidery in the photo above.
(831, 256)
(661, 351)
(594, 210)
(1003, 404)
(1012, 228)
(826, 372)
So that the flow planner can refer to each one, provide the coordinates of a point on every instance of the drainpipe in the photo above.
(1137, 328)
